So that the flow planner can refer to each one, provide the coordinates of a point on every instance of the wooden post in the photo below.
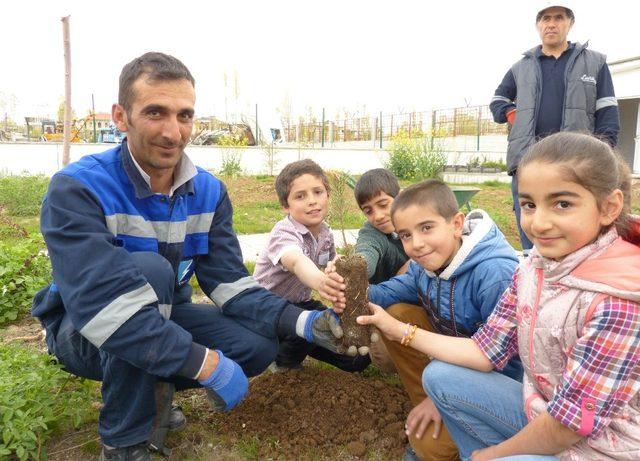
(66, 147)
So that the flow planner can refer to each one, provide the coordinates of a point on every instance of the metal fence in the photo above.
(462, 123)
(442, 123)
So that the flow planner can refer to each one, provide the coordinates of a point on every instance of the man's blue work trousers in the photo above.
(128, 392)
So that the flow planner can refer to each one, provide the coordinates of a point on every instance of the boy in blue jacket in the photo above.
(459, 268)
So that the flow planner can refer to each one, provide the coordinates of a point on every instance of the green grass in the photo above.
(22, 195)
(249, 448)
(495, 183)
(257, 217)
(260, 217)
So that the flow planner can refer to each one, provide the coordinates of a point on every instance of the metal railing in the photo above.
(442, 123)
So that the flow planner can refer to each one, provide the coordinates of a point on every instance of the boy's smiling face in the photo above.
(427, 237)
(308, 201)
(377, 210)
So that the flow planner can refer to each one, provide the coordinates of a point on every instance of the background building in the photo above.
(626, 80)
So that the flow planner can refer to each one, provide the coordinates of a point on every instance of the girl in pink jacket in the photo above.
(572, 313)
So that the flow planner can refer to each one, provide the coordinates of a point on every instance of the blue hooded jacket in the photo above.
(467, 290)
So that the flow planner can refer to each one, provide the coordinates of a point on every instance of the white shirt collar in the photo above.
(184, 171)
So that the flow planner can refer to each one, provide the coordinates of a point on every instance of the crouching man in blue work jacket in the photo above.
(126, 229)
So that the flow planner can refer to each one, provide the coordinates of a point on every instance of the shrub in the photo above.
(430, 161)
(35, 396)
(231, 155)
(499, 164)
(231, 164)
(22, 195)
(415, 158)
(477, 162)
(24, 269)
(402, 158)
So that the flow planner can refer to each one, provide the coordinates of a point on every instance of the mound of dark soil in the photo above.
(317, 413)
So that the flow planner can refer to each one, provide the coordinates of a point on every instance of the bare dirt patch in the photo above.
(318, 413)
(246, 190)
(26, 331)
(314, 413)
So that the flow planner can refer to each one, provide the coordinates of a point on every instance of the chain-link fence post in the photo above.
(380, 118)
(322, 131)
(257, 140)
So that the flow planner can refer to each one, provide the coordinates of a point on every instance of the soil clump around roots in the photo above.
(319, 413)
(353, 269)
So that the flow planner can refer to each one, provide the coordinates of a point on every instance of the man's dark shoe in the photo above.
(177, 420)
(138, 452)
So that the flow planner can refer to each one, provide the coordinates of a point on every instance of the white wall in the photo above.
(46, 158)
(626, 78)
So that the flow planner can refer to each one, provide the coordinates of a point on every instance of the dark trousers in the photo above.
(524, 240)
(128, 392)
(292, 352)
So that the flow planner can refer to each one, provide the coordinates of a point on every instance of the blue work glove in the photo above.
(323, 328)
(227, 385)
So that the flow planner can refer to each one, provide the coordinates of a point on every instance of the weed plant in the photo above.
(24, 269)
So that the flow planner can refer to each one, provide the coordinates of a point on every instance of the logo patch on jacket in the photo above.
(185, 271)
(588, 79)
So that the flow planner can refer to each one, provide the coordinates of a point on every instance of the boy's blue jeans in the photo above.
(479, 409)
(128, 392)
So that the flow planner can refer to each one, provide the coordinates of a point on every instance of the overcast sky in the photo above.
(392, 56)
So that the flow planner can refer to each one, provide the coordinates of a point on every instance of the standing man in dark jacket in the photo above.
(556, 86)
(126, 230)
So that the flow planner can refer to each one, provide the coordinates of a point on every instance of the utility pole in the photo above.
(66, 147)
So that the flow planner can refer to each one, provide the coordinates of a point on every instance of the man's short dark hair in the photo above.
(373, 182)
(157, 67)
(568, 12)
(294, 170)
(433, 193)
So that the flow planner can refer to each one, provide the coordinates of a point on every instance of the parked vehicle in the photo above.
(110, 134)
